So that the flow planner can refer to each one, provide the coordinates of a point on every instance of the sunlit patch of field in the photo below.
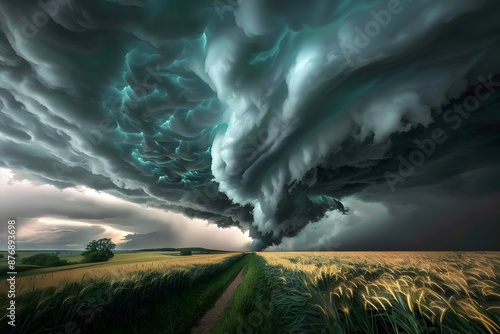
(387, 292)
(120, 266)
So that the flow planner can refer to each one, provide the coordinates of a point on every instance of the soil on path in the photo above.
(211, 317)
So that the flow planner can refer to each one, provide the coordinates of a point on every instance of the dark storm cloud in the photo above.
(137, 241)
(28, 201)
(257, 114)
(459, 213)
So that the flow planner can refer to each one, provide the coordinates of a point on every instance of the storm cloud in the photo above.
(49, 218)
(263, 115)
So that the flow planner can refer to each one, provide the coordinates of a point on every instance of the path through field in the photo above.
(211, 317)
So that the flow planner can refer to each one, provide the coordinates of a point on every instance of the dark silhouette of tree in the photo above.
(45, 260)
(99, 250)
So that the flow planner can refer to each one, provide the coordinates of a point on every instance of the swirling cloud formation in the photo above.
(257, 114)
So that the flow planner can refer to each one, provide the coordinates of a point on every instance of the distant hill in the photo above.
(27, 252)
(199, 250)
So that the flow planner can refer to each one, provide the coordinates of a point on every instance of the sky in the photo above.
(251, 124)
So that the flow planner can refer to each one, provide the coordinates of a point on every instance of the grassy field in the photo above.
(93, 299)
(385, 292)
(178, 314)
(293, 292)
(121, 265)
(251, 310)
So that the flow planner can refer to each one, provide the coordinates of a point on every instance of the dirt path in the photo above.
(211, 317)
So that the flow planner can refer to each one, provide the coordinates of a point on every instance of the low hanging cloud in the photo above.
(258, 115)
(49, 218)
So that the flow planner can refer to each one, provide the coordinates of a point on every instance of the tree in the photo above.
(45, 260)
(186, 252)
(99, 250)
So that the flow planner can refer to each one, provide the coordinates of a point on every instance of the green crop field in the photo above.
(302, 292)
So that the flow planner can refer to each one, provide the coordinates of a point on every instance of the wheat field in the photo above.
(386, 292)
(119, 267)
